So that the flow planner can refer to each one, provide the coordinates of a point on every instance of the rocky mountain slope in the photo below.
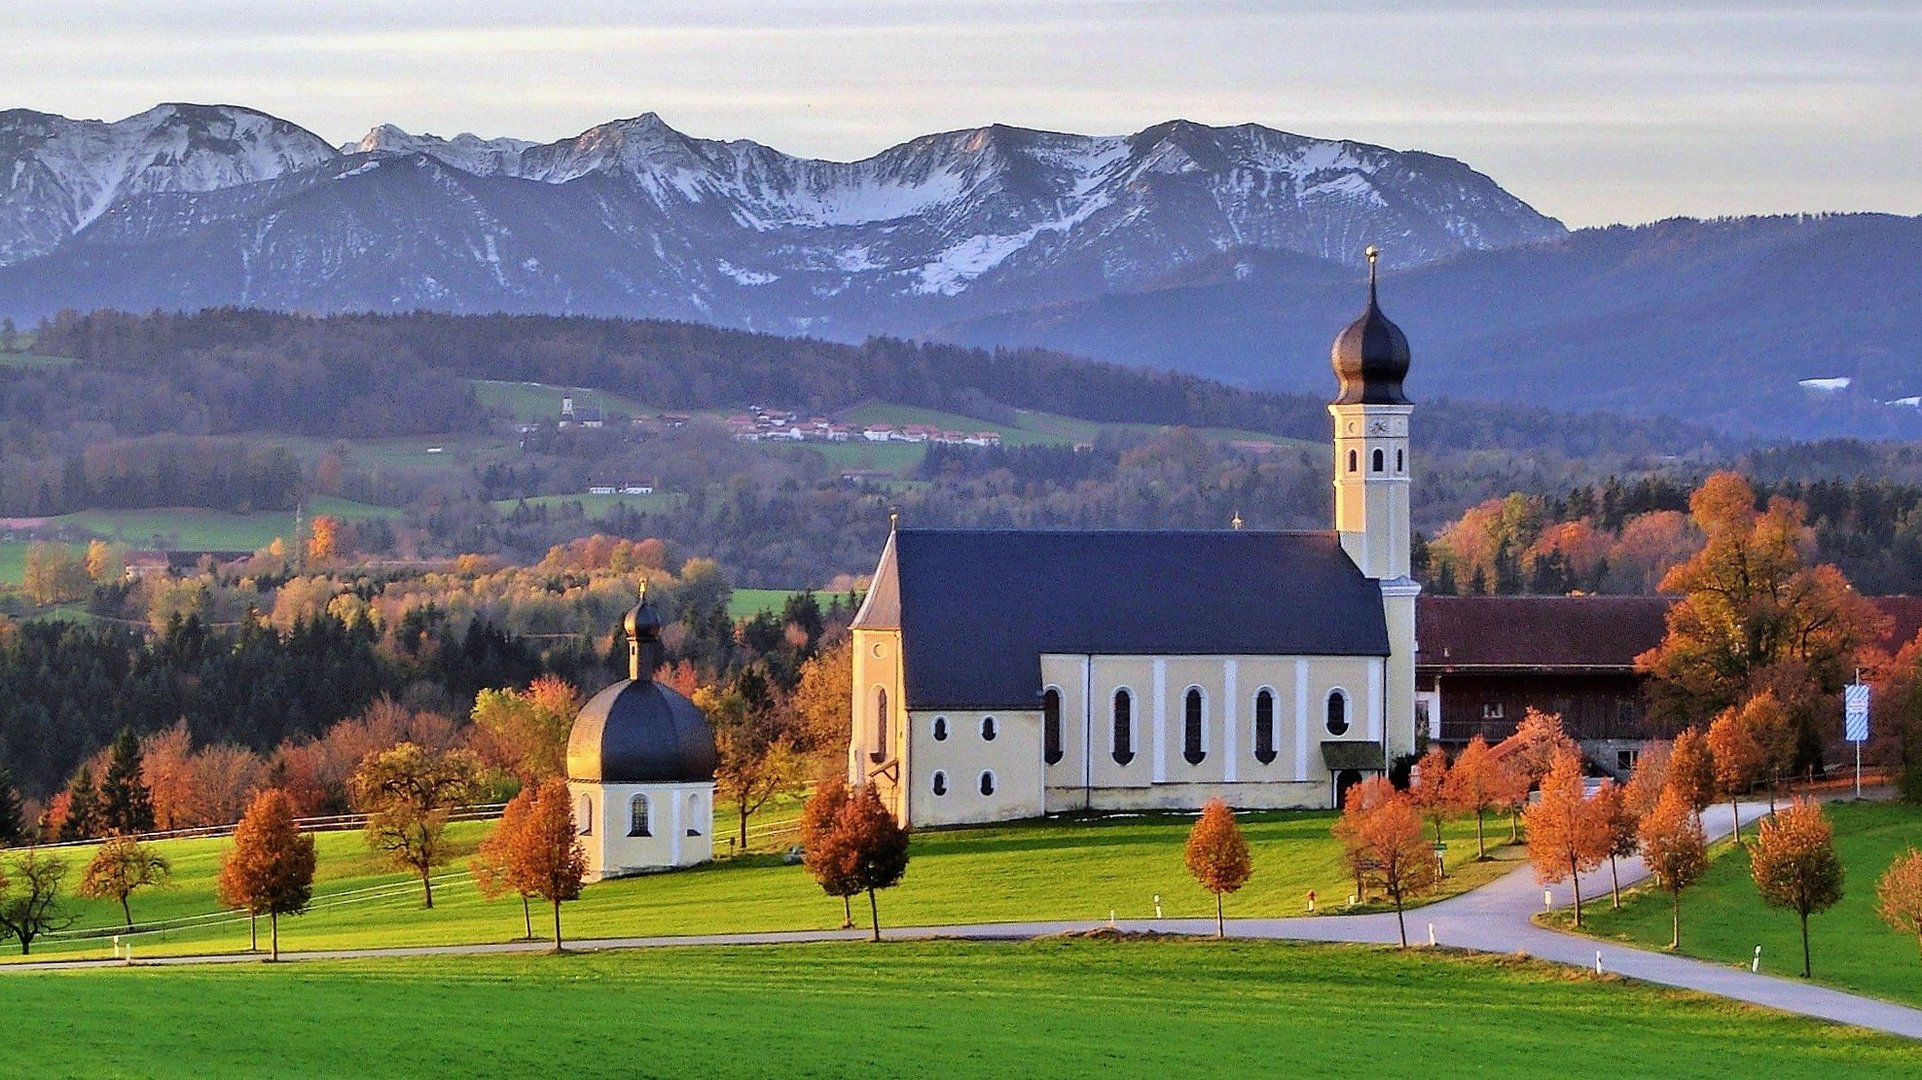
(187, 206)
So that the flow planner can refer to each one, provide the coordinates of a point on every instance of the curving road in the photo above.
(1497, 917)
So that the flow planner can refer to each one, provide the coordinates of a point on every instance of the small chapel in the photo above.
(640, 766)
(1003, 674)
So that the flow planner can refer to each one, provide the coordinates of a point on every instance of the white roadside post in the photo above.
(1755, 965)
(1855, 722)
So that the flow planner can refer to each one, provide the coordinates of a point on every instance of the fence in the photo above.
(330, 823)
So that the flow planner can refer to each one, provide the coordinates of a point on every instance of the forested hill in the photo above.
(229, 370)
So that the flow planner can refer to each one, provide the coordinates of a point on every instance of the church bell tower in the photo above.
(1371, 491)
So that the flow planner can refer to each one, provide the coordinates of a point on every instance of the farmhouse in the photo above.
(1007, 674)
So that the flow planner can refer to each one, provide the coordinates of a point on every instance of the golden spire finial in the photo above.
(1373, 253)
(894, 519)
(1235, 522)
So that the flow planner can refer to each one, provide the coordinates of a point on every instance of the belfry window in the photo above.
(637, 817)
(1191, 748)
(1398, 463)
(1051, 726)
(1379, 461)
(878, 752)
(1265, 727)
(1354, 461)
(1124, 728)
(1337, 713)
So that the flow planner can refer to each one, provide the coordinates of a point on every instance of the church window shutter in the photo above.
(1265, 727)
(1051, 726)
(1191, 748)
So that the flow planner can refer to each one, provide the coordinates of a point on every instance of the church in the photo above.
(1010, 674)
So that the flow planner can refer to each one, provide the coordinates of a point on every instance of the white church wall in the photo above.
(679, 830)
(1010, 762)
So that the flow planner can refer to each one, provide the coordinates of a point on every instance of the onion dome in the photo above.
(1371, 355)
(639, 731)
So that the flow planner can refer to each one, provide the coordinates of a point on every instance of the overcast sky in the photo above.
(1594, 112)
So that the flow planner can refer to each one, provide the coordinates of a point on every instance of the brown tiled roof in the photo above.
(1570, 632)
(1573, 632)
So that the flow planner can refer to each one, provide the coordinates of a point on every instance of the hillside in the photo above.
(1719, 322)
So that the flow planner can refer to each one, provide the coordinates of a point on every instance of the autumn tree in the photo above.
(125, 806)
(270, 869)
(1350, 828)
(1566, 835)
(1898, 896)
(1433, 794)
(1691, 769)
(755, 759)
(121, 865)
(54, 574)
(825, 851)
(545, 857)
(1675, 851)
(30, 897)
(1536, 742)
(1475, 785)
(493, 863)
(106, 563)
(1768, 722)
(1648, 779)
(1748, 604)
(822, 704)
(1738, 760)
(323, 538)
(1387, 847)
(1622, 822)
(878, 843)
(408, 794)
(525, 731)
(1795, 866)
(1217, 855)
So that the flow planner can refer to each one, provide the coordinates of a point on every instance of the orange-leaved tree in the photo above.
(525, 731)
(1675, 850)
(1397, 856)
(1739, 760)
(1565, 833)
(546, 858)
(1795, 866)
(492, 863)
(408, 794)
(1621, 823)
(1691, 769)
(824, 849)
(1649, 778)
(1433, 794)
(878, 843)
(270, 869)
(1476, 784)
(1217, 855)
(1348, 828)
(1898, 896)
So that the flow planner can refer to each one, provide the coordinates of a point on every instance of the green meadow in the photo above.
(1052, 1008)
(1062, 869)
(528, 402)
(1723, 918)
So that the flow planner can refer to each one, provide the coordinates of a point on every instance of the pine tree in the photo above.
(12, 828)
(83, 807)
(126, 806)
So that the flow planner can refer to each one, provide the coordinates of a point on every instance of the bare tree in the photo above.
(30, 897)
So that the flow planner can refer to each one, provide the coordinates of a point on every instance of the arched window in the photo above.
(1337, 712)
(1398, 464)
(1353, 461)
(987, 783)
(1191, 748)
(988, 729)
(1051, 725)
(940, 729)
(638, 818)
(1265, 727)
(694, 815)
(940, 784)
(1379, 463)
(1124, 728)
(878, 752)
(586, 816)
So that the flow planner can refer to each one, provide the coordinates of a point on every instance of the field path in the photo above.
(1496, 918)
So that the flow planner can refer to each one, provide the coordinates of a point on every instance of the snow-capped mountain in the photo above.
(635, 218)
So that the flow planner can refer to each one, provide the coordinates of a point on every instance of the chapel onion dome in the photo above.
(1371, 355)
(638, 731)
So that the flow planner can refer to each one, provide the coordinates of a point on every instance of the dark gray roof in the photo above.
(1371, 358)
(640, 732)
(977, 608)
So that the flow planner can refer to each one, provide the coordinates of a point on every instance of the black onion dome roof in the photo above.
(640, 732)
(1371, 356)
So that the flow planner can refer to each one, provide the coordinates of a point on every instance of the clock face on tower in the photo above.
(1379, 427)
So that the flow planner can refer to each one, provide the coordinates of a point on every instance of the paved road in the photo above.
(1494, 918)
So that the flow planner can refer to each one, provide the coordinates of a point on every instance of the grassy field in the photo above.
(32, 360)
(1724, 919)
(189, 529)
(594, 506)
(526, 402)
(1042, 1009)
(747, 603)
(1031, 870)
